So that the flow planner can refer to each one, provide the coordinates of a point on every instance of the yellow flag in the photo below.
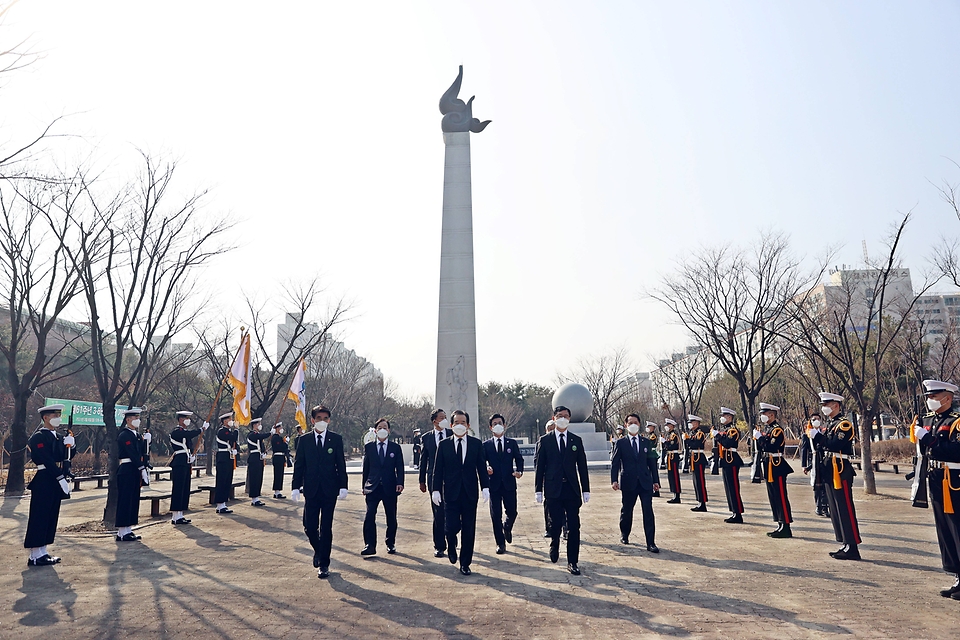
(298, 393)
(239, 379)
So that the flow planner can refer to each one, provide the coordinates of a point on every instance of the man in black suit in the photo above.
(504, 466)
(320, 474)
(459, 472)
(633, 472)
(429, 443)
(382, 482)
(561, 478)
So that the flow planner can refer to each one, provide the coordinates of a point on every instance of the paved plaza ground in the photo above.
(250, 575)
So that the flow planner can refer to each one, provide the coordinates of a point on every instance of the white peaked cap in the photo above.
(256, 420)
(693, 418)
(669, 421)
(52, 407)
(650, 424)
(932, 386)
(768, 407)
(184, 414)
(827, 397)
(133, 411)
(228, 414)
(728, 411)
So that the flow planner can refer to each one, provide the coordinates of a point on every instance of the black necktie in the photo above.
(438, 438)
(460, 449)
(499, 446)
(636, 447)
(563, 446)
(383, 455)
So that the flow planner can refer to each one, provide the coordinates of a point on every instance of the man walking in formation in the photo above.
(431, 442)
(382, 482)
(504, 466)
(633, 472)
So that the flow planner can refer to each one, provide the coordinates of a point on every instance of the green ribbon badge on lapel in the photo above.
(330, 450)
(574, 447)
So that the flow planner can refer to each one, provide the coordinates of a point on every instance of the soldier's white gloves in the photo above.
(757, 433)
(205, 425)
(64, 485)
(145, 476)
(273, 431)
(69, 441)
(486, 495)
(295, 494)
(920, 432)
(148, 438)
(343, 494)
(714, 432)
(662, 439)
(539, 496)
(191, 458)
(435, 496)
(586, 496)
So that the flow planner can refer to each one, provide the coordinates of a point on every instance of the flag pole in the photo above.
(216, 400)
(287, 394)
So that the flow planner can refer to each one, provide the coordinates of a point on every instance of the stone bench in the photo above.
(155, 499)
(161, 471)
(99, 478)
(213, 489)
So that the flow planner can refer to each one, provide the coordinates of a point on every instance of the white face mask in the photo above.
(826, 410)
(382, 434)
(459, 429)
(280, 430)
(649, 429)
(443, 424)
(815, 424)
(724, 419)
(135, 423)
(633, 429)
(764, 418)
(933, 404)
(231, 423)
(186, 422)
(498, 429)
(320, 426)
(56, 422)
(562, 423)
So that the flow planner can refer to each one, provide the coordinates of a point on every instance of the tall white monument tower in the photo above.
(457, 328)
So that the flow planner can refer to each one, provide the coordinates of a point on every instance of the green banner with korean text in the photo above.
(86, 414)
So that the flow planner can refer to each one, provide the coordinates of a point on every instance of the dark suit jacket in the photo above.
(428, 441)
(633, 472)
(456, 479)
(320, 473)
(551, 468)
(503, 464)
(390, 473)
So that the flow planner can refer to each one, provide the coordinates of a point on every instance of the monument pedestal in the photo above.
(595, 444)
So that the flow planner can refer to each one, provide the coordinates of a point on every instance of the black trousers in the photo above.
(843, 514)
(254, 476)
(779, 502)
(629, 501)
(731, 486)
(820, 498)
(566, 509)
(501, 501)
(673, 472)
(699, 466)
(389, 500)
(439, 530)
(318, 525)
(128, 495)
(460, 516)
(224, 479)
(948, 524)
(180, 494)
(45, 498)
(279, 464)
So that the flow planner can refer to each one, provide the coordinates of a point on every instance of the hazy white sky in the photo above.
(624, 134)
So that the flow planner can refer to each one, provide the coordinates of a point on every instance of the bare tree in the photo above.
(947, 256)
(736, 304)
(682, 379)
(607, 376)
(37, 284)
(137, 298)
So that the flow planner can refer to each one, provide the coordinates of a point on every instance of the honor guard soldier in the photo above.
(131, 475)
(320, 474)
(504, 467)
(654, 440)
(633, 472)
(727, 438)
(812, 459)
(382, 481)
(256, 460)
(181, 463)
(47, 489)
(147, 439)
(838, 476)
(698, 460)
(672, 445)
(431, 442)
(227, 437)
(281, 458)
(416, 449)
(562, 481)
(938, 433)
(771, 443)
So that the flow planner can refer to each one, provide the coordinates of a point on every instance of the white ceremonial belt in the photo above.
(179, 452)
(125, 460)
(278, 453)
(840, 455)
(41, 467)
(935, 464)
(775, 455)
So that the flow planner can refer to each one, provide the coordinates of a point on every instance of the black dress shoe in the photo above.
(573, 568)
(43, 561)
(316, 561)
(259, 503)
(546, 534)
(280, 497)
(182, 521)
(946, 593)
(369, 551)
(833, 554)
(439, 553)
(783, 532)
(501, 550)
(391, 549)
(130, 537)
(850, 553)
(323, 573)
(508, 535)
(452, 555)
(555, 552)
(652, 548)
(701, 507)
(465, 570)
(736, 518)
(624, 540)
(674, 501)
(224, 511)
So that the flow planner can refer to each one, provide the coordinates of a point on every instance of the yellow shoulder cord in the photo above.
(947, 487)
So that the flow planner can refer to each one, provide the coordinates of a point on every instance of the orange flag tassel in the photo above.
(837, 484)
(947, 498)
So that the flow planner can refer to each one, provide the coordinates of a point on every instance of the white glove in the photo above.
(273, 431)
(586, 496)
(539, 497)
(486, 495)
(662, 439)
(436, 498)
(714, 432)
(757, 433)
(69, 441)
(148, 438)
(295, 494)
(191, 458)
(343, 494)
(920, 431)
(145, 476)
(205, 426)
(64, 485)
